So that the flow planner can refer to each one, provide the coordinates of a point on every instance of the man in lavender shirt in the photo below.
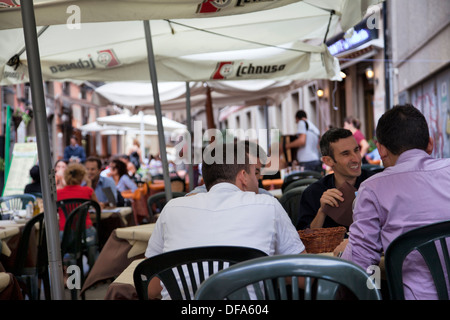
(413, 191)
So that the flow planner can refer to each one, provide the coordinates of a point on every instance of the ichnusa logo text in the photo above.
(250, 69)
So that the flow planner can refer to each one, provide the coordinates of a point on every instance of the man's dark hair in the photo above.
(34, 173)
(231, 164)
(300, 114)
(331, 136)
(95, 159)
(403, 128)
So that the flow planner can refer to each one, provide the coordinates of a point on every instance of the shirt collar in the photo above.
(222, 186)
(408, 155)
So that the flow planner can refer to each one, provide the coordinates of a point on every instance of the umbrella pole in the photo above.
(45, 162)
(189, 128)
(157, 104)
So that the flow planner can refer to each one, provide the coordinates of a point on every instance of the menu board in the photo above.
(24, 157)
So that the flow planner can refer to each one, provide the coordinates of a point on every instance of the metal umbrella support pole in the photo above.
(157, 104)
(45, 162)
(189, 128)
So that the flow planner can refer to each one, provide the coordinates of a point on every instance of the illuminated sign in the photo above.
(360, 36)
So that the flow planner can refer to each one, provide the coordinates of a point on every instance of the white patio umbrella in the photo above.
(134, 121)
(173, 94)
(348, 12)
(284, 42)
(106, 129)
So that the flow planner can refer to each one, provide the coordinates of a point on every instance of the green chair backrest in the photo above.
(300, 175)
(28, 274)
(300, 183)
(203, 259)
(290, 201)
(268, 276)
(17, 201)
(157, 201)
(422, 239)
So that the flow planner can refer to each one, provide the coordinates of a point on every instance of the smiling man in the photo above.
(341, 153)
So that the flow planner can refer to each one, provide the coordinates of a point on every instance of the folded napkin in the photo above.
(344, 213)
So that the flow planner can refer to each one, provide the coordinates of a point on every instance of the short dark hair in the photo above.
(300, 114)
(229, 167)
(403, 128)
(331, 136)
(95, 159)
(34, 173)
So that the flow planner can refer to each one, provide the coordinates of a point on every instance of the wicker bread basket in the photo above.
(322, 239)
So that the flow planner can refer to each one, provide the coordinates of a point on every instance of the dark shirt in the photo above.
(310, 201)
(32, 187)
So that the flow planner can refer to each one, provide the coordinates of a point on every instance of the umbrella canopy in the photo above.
(105, 129)
(173, 94)
(135, 121)
(283, 43)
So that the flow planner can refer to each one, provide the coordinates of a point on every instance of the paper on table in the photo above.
(344, 213)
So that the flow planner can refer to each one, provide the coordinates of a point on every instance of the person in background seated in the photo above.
(230, 213)
(95, 181)
(120, 175)
(74, 175)
(35, 185)
(411, 192)
(60, 167)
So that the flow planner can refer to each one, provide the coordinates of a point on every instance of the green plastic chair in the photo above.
(300, 175)
(187, 260)
(300, 183)
(157, 201)
(68, 205)
(16, 201)
(73, 243)
(422, 239)
(30, 275)
(290, 201)
(267, 277)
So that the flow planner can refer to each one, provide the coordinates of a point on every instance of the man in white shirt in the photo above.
(230, 213)
(307, 142)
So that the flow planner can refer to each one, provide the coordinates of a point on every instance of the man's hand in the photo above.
(340, 248)
(331, 197)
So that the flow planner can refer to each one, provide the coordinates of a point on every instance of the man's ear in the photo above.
(241, 180)
(430, 146)
(382, 150)
(328, 161)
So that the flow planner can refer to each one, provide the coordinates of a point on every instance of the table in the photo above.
(124, 245)
(10, 234)
(8, 229)
(123, 287)
(270, 184)
(9, 287)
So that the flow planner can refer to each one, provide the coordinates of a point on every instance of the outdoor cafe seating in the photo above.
(185, 261)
